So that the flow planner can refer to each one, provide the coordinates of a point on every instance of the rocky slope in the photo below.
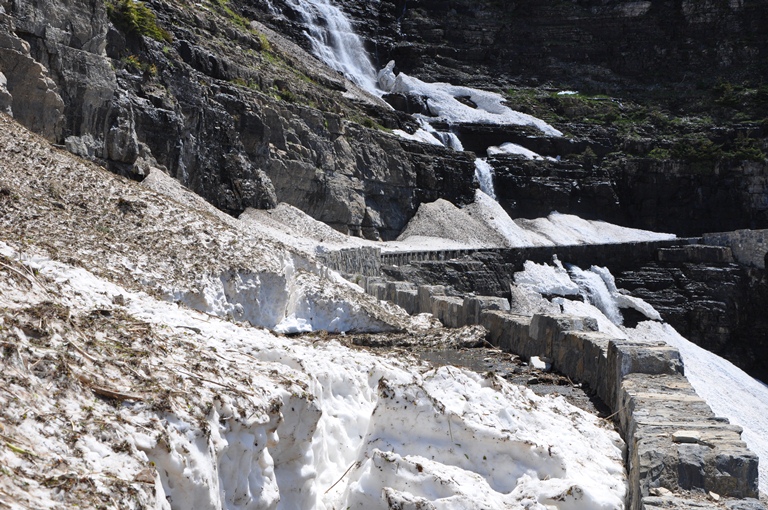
(232, 110)
(246, 118)
(141, 367)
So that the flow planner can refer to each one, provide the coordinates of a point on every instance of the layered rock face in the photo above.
(243, 118)
(717, 306)
(580, 43)
(681, 56)
(668, 196)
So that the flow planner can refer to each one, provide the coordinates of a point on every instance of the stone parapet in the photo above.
(679, 454)
(449, 310)
(365, 260)
(696, 253)
(749, 247)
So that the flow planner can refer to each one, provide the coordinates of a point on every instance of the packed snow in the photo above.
(484, 223)
(443, 103)
(512, 148)
(253, 420)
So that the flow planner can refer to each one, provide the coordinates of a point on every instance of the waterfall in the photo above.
(484, 176)
(450, 140)
(335, 42)
(594, 289)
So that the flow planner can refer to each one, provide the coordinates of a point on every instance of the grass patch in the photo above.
(136, 18)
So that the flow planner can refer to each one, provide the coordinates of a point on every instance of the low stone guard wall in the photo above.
(749, 247)
(579, 254)
(674, 440)
(364, 261)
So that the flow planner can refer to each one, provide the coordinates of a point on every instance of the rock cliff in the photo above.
(231, 109)
(247, 118)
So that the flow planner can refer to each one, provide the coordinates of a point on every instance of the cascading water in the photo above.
(484, 176)
(594, 289)
(335, 42)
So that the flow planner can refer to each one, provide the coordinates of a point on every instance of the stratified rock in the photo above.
(28, 91)
(241, 116)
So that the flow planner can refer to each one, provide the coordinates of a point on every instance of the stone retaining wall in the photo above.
(749, 247)
(674, 441)
(364, 261)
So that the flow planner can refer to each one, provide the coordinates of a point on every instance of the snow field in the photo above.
(234, 417)
(442, 102)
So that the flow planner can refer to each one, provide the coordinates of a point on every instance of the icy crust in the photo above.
(158, 406)
(521, 455)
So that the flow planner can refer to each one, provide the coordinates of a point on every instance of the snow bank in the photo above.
(522, 455)
(229, 416)
(490, 212)
(291, 301)
(443, 103)
(565, 229)
(546, 279)
(512, 148)
(444, 220)
(485, 224)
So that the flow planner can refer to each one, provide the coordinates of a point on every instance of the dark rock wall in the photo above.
(718, 307)
(581, 43)
(714, 303)
(666, 196)
(242, 119)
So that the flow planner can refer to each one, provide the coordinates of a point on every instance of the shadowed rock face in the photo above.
(242, 118)
(604, 43)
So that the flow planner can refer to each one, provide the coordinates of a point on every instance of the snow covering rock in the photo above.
(513, 148)
(443, 104)
(485, 224)
(492, 214)
(546, 279)
(203, 413)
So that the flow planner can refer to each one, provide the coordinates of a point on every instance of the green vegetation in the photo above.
(136, 18)
(133, 63)
(701, 127)
(239, 20)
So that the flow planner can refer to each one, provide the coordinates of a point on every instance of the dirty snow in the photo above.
(137, 372)
(251, 420)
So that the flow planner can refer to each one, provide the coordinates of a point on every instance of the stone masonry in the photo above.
(675, 443)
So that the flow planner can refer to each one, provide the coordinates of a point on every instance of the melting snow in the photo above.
(512, 148)
(259, 421)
